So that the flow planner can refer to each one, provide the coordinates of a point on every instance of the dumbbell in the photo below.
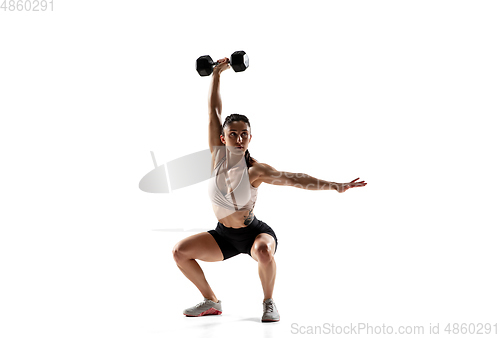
(205, 65)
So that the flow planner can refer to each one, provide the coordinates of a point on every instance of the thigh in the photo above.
(201, 246)
(226, 245)
(263, 239)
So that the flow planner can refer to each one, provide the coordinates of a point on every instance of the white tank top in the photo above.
(240, 195)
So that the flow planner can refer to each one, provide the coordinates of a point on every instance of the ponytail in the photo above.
(248, 159)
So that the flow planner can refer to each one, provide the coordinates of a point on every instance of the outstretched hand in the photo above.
(342, 187)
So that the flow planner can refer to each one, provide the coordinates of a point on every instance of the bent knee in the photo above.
(263, 253)
(179, 253)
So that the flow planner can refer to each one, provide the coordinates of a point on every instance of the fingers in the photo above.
(223, 64)
(354, 184)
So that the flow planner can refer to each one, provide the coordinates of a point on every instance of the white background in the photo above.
(403, 94)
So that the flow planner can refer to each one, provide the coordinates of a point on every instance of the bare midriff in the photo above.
(238, 219)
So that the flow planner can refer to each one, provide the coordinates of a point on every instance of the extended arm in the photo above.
(270, 175)
(214, 99)
(215, 106)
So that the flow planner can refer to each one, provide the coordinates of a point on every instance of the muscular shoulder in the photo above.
(258, 173)
(268, 174)
(261, 168)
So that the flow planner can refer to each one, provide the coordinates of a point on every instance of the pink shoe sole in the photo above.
(210, 311)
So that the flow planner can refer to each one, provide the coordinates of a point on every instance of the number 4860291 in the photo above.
(27, 5)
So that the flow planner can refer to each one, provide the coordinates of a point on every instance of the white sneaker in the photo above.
(270, 311)
(207, 307)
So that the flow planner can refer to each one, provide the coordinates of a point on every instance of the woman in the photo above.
(233, 191)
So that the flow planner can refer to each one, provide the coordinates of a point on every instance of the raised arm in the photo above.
(270, 175)
(215, 106)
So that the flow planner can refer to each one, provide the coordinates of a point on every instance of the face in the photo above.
(236, 134)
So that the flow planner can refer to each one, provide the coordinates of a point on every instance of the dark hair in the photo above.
(237, 117)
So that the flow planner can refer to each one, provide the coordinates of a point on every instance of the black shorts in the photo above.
(232, 241)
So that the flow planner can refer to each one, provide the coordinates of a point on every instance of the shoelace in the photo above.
(268, 307)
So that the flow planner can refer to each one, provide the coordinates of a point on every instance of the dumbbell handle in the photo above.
(216, 63)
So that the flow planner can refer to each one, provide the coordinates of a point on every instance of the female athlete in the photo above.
(233, 191)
